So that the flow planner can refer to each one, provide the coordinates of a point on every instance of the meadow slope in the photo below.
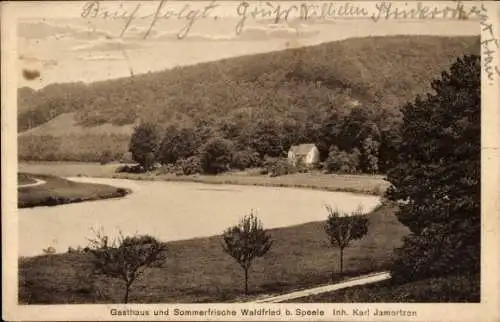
(197, 270)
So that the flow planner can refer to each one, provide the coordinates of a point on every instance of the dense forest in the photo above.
(344, 96)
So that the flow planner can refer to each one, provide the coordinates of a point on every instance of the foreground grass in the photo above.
(198, 271)
(366, 184)
(58, 191)
(454, 288)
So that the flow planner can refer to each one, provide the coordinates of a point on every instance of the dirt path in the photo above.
(37, 183)
(360, 280)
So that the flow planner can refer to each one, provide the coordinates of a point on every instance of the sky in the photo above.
(93, 41)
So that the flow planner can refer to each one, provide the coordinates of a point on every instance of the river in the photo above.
(175, 211)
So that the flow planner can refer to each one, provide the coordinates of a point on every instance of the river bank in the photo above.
(58, 191)
(362, 184)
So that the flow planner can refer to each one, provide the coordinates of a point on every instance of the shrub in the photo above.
(342, 161)
(130, 169)
(191, 165)
(121, 191)
(105, 157)
(245, 159)
(278, 167)
(53, 201)
(177, 143)
(168, 169)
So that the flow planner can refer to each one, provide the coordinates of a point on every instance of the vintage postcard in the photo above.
(250, 160)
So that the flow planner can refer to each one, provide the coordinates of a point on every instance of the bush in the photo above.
(168, 169)
(53, 201)
(121, 191)
(177, 143)
(278, 167)
(342, 161)
(105, 157)
(302, 168)
(130, 169)
(191, 165)
(245, 159)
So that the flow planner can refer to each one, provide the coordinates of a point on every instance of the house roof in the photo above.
(302, 149)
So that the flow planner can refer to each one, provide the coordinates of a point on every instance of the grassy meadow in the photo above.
(68, 169)
(366, 184)
(23, 178)
(58, 191)
(197, 270)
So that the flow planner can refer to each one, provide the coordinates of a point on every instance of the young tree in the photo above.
(245, 242)
(342, 228)
(437, 175)
(144, 144)
(127, 258)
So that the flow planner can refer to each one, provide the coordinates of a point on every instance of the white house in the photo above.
(305, 154)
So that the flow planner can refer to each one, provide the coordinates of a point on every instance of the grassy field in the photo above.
(58, 191)
(455, 288)
(65, 124)
(23, 178)
(367, 184)
(69, 169)
(198, 271)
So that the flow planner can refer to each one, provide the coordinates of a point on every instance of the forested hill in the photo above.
(299, 86)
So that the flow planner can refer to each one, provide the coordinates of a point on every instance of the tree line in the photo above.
(355, 144)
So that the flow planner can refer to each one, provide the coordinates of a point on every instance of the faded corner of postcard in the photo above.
(249, 160)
